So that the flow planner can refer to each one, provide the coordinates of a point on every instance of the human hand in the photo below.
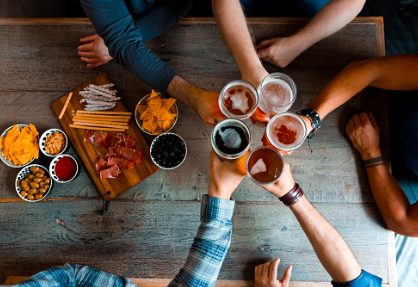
(225, 176)
(208, 108)
(363, 132)
(283, 185)
(94, 52)
(266, 275)
(279, 51)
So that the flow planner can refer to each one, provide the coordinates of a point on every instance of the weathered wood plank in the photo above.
(152, 239)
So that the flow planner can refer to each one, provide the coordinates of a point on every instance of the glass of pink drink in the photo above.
(277, 92)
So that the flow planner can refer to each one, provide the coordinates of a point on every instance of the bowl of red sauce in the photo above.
(63, 168)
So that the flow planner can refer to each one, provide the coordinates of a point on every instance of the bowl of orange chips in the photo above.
(155, 115)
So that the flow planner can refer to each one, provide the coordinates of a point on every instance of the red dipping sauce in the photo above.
(65, 168)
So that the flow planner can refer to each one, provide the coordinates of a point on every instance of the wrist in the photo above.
(213, 192)
(254, 74)
(308, 124)
(372, 153)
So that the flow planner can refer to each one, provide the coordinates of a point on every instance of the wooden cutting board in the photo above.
(87, 151)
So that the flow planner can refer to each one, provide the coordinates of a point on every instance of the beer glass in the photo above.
(238, 100)
(277, 92)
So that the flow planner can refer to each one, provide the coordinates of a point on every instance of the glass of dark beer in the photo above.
(231, 139)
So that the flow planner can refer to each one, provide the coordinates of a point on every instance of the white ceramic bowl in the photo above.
(21, 175)
(52, 168)
(8, 162)
(153, 144)
(139, 122)
(43, 139)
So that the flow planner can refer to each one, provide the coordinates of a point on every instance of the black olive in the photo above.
(165, 153)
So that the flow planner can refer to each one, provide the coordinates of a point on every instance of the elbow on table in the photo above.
(405, 228)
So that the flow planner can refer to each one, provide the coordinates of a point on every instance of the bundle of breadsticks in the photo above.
(101, 120)
(99, 98)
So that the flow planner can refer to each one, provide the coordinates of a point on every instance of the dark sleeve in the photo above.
(114, 23)
(364, 280)
(168, 13)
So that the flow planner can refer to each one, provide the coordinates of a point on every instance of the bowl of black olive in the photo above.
(168, 151)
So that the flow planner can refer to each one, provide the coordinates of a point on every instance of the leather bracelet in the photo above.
(292, 196)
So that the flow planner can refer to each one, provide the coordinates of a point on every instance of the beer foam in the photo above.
(231, 138)
(277, 92)
(259, 166)
(240, 101)
(291, 123)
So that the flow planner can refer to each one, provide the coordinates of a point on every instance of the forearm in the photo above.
(331, 18)
(331, 249)
(391, 73)
(210, 245)
(184, 91)
(233, 28)
(392, 201)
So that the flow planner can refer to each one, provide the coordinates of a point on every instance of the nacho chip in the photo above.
(158, 115)
(20, 146)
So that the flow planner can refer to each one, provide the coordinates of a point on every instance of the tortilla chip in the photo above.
(20, 146)
(158, 115)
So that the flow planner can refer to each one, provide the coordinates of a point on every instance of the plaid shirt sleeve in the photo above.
(71, 275)
(210, 245)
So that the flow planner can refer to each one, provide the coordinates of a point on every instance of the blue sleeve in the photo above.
(210, 245)
(75, 275)
(114, 23)
(168, 13)
(364, 280)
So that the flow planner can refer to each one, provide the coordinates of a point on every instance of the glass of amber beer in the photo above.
(264, 165)
(285, 132)
(238, 100)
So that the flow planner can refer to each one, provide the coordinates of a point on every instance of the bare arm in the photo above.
(331, 18)
(390, 198)
(234, 31)
(329, 246)
(390, 73)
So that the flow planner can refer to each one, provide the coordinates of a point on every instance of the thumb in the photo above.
(263, 53)
(218, 117)
(264, 44)
(88, 38)
(286, 276)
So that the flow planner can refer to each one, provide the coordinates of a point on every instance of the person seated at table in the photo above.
(332, 251)
(390, 73)
(123, 27)
(206, 254)
(331, 16)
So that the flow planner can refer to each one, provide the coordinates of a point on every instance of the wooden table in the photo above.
(149, 229)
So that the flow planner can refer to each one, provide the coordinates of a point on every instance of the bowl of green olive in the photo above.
(33, 183)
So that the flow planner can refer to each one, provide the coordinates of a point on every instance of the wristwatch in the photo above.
(313, 116)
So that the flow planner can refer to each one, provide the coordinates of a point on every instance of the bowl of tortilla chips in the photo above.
(19, 145)
(155, 115)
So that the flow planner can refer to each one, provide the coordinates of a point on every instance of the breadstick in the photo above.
(103, 112)
(105, 125)
(65, 105)
(96, 128)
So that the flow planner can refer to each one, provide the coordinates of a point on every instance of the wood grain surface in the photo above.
(87, 151)
(149, 229)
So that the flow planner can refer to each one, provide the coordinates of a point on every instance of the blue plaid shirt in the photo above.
(202, 264)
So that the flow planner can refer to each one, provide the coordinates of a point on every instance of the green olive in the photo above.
(42, 190)
(48, 180)
(42, 184)
(27, 175)
(47, 186)
(25, 188)
(33, 191)
(39, 196)
(34, 169)
(23, 194)
(37, 179)
(40, 174)
(31, 176)
(31, 197)
(34, 185)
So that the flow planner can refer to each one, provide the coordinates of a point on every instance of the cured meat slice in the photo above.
(100, 165)
(110, 172)
(121, 162)
(131, 154)
(98, 138)
(124, 140)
